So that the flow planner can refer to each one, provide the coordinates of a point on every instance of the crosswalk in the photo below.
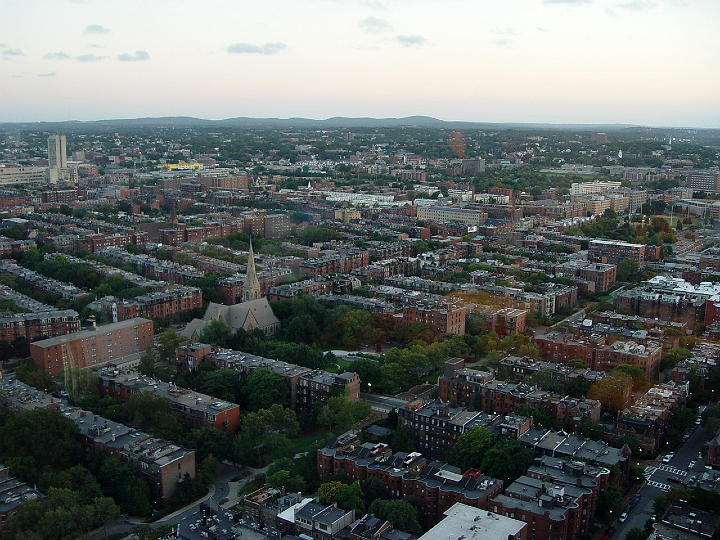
(650, 470)
(672, 470)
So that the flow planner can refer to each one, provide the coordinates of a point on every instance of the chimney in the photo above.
(91, 323)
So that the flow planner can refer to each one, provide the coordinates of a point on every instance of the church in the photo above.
(253, 313)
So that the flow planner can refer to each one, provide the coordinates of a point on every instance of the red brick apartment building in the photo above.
(613, 252)
(193, 408)
(604, 276)
(153, 305)
(39, 325)
(92, 347)
(436, 486)
(556, 498)
(598, 354)
(445, 321)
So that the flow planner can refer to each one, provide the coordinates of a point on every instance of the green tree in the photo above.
(169, 341)
(146, 366)
(327, 492)
(262, 389)
(609, 500)
(636, 533)
(469, 450)
(402, 514)
(34, 441)
(627, 270)
(507, 460)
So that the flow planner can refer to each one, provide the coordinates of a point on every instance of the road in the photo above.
(657, 483)
(218, 491)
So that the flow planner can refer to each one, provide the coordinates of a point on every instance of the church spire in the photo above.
(251, 287)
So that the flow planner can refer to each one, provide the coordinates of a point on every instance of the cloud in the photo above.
(636, 5)
(96, 29)
(56, 56)
(540, 29)
(373, 4)
(504, 43)
(373, 25)
(504, 31)
(140, 56)
(411, 41)
(51, 74)
(13, 52)
(569, 2)
(268, 48)
(96, 46)
(17, 76)
(89, 58)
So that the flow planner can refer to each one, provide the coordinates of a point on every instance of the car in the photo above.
(623, 517)
(610, 531)
(690, 465)
(697, 421)
(668, 457)
(675, 479)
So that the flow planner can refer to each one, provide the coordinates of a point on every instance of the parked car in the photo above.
(668, 457)
(623, 517)
(675, 479)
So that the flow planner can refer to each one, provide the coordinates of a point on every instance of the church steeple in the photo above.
(251, 287)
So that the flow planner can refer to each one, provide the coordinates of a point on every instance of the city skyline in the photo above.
(534, 61)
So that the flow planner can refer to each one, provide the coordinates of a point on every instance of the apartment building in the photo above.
(442, 214)
(307, 386)
(154, 305)
(14, 494)
(613, 252)
(598, 353)
(436, 486)
(463, 521)
(93, 347)
(39, 325)
(193, 408)
(438, 425)
(447, 321)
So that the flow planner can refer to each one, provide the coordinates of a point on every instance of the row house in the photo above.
(156, 305)
(193, 408)
(39, 325)
(522, 369)
(650, 416)
(438, 425)
(504, 398)
(162, 463)
(381, 271)
(449, 320)
(307, 387)
(43, 283)
(558, 444)
(434, 485)
(598, 353)
(343, 262)
(145, 264)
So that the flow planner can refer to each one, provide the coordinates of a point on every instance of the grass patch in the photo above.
(312, 442)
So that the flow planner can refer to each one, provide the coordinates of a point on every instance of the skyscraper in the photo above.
(251, 287)
(57, 152)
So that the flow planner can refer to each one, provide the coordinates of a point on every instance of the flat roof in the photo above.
(463, 521)
(104, 329)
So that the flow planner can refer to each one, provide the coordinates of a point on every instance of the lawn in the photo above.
(312, 442)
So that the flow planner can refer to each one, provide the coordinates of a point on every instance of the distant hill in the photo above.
(284, 123)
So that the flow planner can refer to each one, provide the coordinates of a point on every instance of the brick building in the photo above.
(39, 325)
(155, 305)
(436, 486)
(613, 252)
(445, 321)
(193, 408)
(93, 347)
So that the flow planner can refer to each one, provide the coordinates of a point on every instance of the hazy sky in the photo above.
(651, 62)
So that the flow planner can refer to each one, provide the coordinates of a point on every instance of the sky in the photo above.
(647, 62)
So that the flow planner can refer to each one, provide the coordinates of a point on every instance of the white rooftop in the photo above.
(471, 523)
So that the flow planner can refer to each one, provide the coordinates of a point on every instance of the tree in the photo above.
(169, 341)
(612, 392)
(470, 448)
(636, 533)
(351, 498)
(262, 389)
(217, 332)
(146, 366)
(327, 492)
(627, 270)
(507, 460)
(609, 500)
(673, 357)
(402, 514)
(35, 440)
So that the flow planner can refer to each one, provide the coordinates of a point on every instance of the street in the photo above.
(657, 483)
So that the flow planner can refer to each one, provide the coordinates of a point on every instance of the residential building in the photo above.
(464, 521)
(613, 252)
(193, 408)
(13, 494)
(94, 347)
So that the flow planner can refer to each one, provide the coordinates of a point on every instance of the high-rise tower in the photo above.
(251, 287)
(57, 152)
